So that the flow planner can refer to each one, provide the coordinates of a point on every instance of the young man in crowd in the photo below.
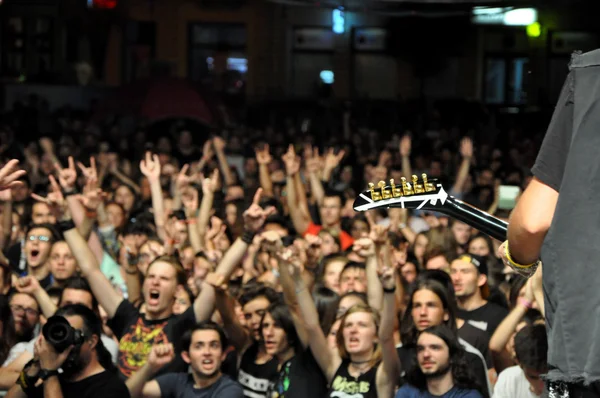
(469, 277)
(524, 380)
(38, 243)
(442, 370)
(204, 350)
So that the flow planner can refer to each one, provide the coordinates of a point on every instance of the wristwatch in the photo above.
(45, 374)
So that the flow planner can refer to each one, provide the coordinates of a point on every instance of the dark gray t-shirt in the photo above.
(181, 385)
(569, 162)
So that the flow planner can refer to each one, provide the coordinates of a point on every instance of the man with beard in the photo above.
(205, 351)
(26, 315)
(442, 370)
(87, 370)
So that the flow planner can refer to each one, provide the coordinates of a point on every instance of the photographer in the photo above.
(75, 349)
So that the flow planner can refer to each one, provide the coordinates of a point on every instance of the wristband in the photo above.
(191, 221)
(525, 303)
(91, 213)
(392, 290)
(132, 271)
(523, 269)
(248, 237)
(71, 192)
(27, 382)
(64, 226)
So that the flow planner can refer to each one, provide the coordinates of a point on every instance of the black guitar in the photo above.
(425, 194)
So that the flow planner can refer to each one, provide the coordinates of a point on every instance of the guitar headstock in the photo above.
(418, 193)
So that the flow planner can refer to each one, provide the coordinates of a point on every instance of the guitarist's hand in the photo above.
(526, 272)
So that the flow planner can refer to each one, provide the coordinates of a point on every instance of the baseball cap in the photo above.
(481, 265)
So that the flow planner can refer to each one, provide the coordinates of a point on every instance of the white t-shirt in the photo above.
(513, 384)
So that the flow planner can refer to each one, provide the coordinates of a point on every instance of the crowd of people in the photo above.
(237, 267)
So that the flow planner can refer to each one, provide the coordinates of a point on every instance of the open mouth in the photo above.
(34, 254)
(207, 362)
(154, 296)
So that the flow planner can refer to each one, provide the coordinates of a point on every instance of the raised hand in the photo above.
(405, 145)
(90, 173)
(55, 199)
(378, 233)
(313, 161)
(160, 356)
(211, 185)
(189, 199)
(219, 144)
(183, 180)
(150, 167)
(332, 160)
(67, 176)
(386, 276)
(27, 284)
(364, 247)
(217, 227)
(91, 196)
(207, 151)
(255, 216)
(9, 174)
(291, 161)
(466, 147)
(263, 156)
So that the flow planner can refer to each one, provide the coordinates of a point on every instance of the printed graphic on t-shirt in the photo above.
(252, 384)
(344, 388)
(481, 325)
(136, 344)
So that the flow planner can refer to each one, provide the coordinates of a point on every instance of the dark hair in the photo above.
(408, 330)
(353, 264)
(186, 339)
(180, 273)
(516, 284)
(253, 291)
(327, 302)
(461, 373)
(531, 347)
(9, 337)
(79, 283)
(137, 228)
(330, 193)
(433, 252)
(92, 325)
(282, 318)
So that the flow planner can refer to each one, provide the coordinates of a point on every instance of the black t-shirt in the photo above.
(478, 339)
(181, 385)
(486, 318)
(137, 335)
(299, 377)
(255, 378)
(408, 358)
(346, 385)
(102, 385)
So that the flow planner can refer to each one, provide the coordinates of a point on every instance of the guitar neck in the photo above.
(476, 218)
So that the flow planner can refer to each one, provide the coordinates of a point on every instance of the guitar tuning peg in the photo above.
(396, 191)
(385, 193)
(406, 189)
(375, 194)
(429, 187)
(417, 188)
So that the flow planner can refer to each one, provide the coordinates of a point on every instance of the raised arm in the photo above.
(389, 371)
(300, 219)
(219, 145)
(332, 161)
(405, 148)
(150, 167)
(466, 151)
(263, 158)
(139, 383)
(108, 297)
(209, 187)
(313, 164)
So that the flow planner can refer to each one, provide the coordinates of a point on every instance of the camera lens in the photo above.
(59, 333)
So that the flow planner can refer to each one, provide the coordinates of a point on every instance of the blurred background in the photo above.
(218, 62)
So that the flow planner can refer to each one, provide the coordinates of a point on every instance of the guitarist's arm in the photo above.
(530, 221)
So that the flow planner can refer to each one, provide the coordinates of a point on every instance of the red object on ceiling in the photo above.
(105, 4)
(157, 99)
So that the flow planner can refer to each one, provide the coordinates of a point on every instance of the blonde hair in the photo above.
(376, 356)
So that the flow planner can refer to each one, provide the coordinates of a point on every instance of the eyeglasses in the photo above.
(27, 311)
(41, 238)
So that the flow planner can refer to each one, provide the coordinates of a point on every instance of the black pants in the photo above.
(568, 390)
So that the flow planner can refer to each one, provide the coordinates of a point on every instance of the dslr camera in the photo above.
(60, 334)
